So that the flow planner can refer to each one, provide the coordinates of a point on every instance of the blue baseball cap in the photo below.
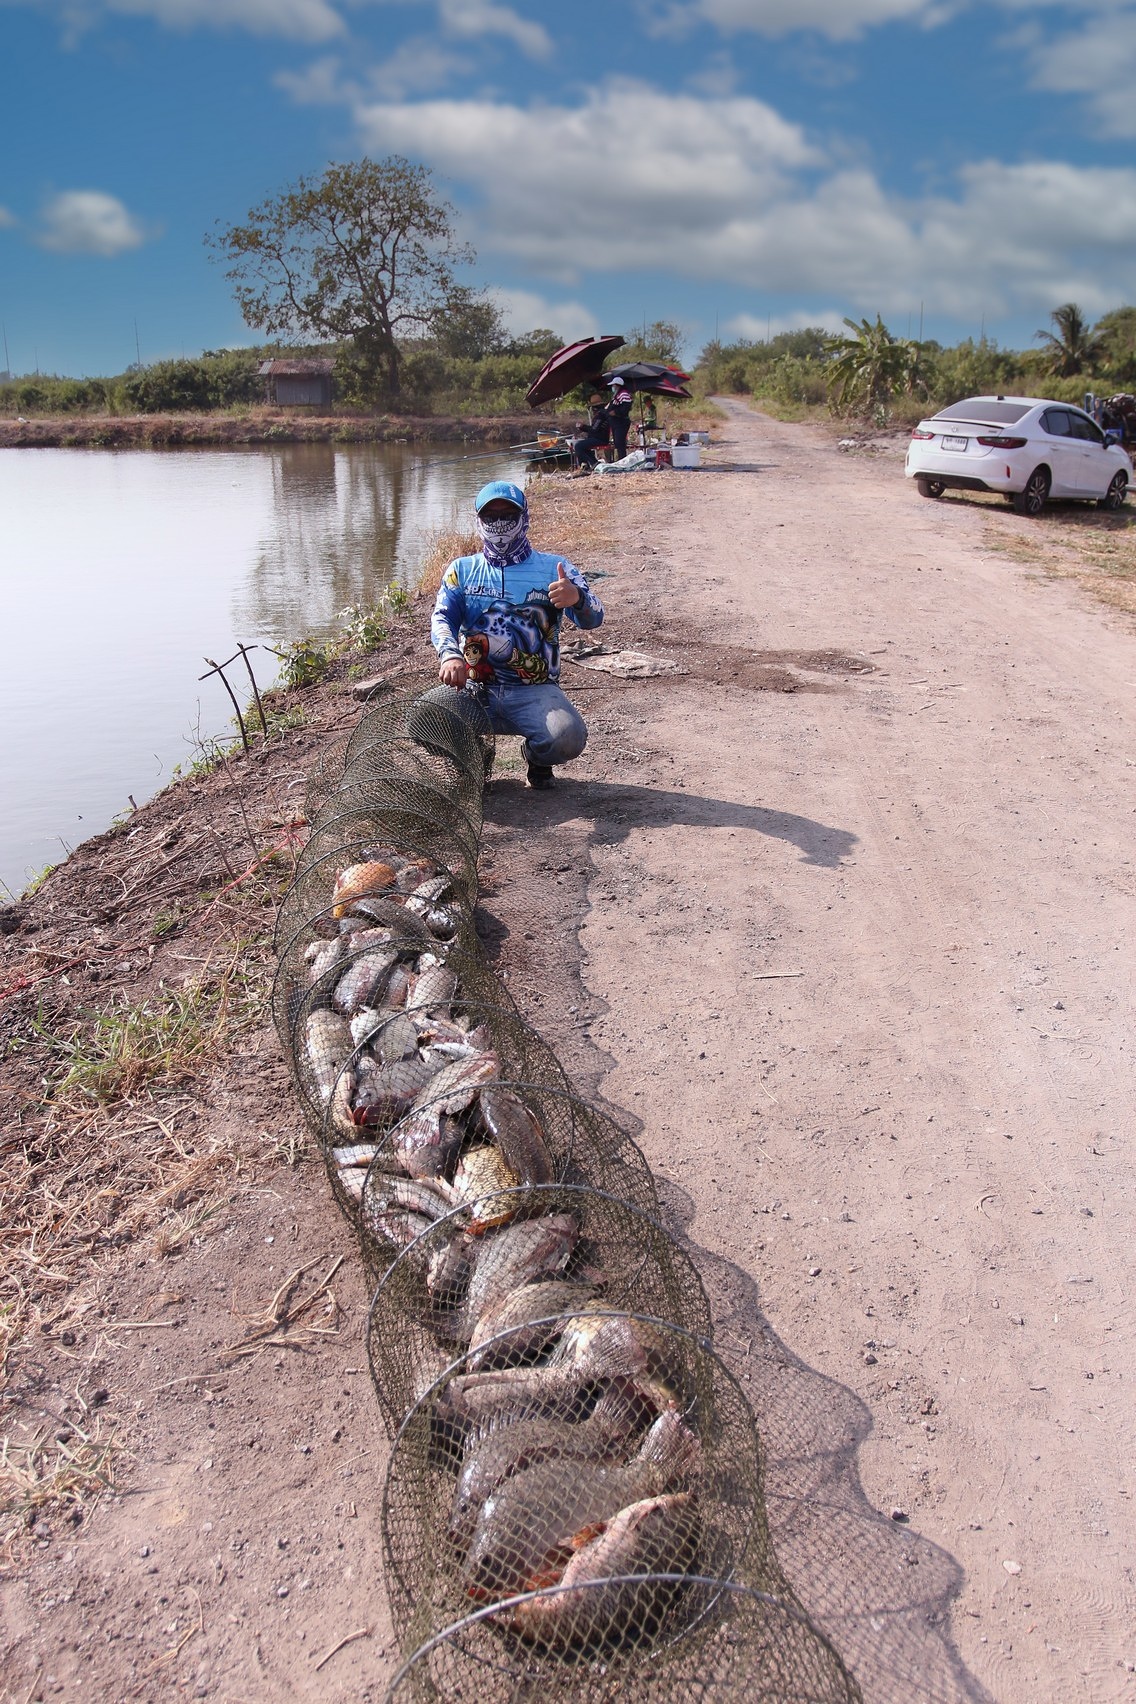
(500, 490)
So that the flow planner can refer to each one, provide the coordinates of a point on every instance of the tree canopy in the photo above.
(366, 253)
(1072, 347)
(867, 369)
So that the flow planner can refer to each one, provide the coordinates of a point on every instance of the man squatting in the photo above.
(496, 623)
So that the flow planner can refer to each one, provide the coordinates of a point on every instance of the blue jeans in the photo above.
(553, 729)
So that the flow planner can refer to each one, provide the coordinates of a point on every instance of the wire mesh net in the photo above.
(593, 1443)
(573, 1506)
(515, 1261)
(726, 1641)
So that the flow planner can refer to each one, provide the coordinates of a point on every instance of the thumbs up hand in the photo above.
(562, 591)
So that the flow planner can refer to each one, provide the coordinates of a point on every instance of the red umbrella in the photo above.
(576, 364)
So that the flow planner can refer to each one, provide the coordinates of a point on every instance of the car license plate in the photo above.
(955, 443)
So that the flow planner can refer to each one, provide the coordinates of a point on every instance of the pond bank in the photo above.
(268, 426)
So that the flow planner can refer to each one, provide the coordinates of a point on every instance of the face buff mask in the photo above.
(505, 541)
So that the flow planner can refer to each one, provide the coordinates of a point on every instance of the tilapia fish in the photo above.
(518, 1254)
(363, 981)
(591, 1348)
(351, 1166)
(426, 1141)
(435, 986)
(389, 911)
(385, 1092)
(533, 1317)
(518, 1443)
(657, 1535)
(328, 1046)
(517, 1133)
(324, 956)
(455, 1087)
(387, 1031)
(480, 1170)
(412, 876)
(428, 1197)
(529, 1528)
(359, 879)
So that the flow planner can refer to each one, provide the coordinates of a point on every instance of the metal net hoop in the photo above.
(698, 1461)
(744, 1656)
(623, 1259)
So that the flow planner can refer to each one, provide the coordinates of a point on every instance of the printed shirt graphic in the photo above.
(501, 621)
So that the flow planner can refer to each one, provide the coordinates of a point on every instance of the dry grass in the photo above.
(54, 1472)
(440, 549)
(114, 1151)
(1096, 548)
(273, 1328)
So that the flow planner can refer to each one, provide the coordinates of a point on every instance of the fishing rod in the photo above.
(487, 455)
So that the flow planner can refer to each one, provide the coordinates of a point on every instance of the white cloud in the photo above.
(484, 18)
(553, 199)
(296, 20)
(417, 66)
(730, 191)
(841, 20)
(1100, 63)
(6, 218)
(87, 221)
(524, 310)
(772, 325)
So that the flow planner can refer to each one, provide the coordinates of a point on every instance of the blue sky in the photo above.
(745, 164)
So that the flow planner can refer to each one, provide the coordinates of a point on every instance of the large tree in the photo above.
(365, 254)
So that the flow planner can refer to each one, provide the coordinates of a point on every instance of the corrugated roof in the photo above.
(296, 369)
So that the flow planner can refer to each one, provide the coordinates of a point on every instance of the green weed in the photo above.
(156, 1045)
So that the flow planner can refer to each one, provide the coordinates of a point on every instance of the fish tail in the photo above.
(670, 1449)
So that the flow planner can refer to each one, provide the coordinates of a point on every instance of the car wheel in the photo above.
(929, 487)
(1116, 493)
(1032, 500)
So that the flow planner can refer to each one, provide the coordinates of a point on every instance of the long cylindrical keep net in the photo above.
(573, 1506)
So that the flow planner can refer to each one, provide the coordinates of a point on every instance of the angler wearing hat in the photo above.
(618, 413)
(497, 619)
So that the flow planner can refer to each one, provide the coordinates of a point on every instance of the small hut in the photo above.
(299, 383)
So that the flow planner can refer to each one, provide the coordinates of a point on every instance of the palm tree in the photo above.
(1073, 347)
(871, 366)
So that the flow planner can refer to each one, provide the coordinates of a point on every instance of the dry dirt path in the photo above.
(862, 959)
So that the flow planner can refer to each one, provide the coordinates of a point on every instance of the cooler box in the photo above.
(687, 455)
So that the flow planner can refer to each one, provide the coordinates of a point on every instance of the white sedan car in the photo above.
(1023, 447)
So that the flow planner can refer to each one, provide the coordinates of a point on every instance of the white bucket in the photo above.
(687, 455)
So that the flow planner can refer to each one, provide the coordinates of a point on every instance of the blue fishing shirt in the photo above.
(501, 621)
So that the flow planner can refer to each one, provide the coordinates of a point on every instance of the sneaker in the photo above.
(540, 775)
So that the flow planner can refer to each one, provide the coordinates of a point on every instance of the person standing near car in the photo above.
(505, 604)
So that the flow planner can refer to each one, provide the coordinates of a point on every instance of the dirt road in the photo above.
(863, 955)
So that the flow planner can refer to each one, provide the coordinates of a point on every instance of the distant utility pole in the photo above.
(137, 348)
(921, 322)
(7, 362)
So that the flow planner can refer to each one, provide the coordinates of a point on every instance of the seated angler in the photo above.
(501, 610)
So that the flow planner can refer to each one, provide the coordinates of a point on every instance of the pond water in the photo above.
(121, 571)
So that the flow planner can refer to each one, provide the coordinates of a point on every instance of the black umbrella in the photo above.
(576, 364)
(642, 375)
(659, 387)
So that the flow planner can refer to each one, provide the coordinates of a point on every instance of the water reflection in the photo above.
(123, 570)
